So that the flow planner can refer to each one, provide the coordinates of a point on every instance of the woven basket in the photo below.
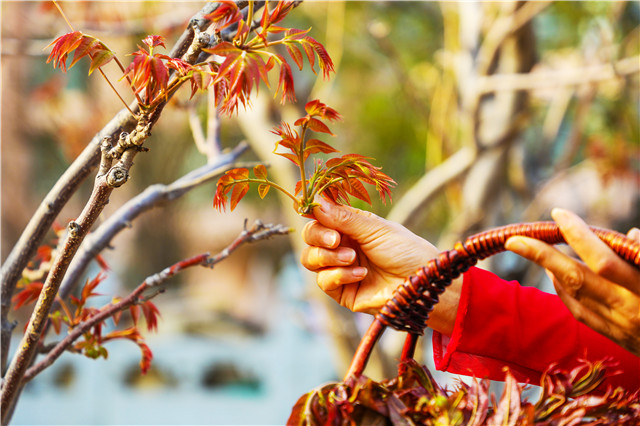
(409, 307)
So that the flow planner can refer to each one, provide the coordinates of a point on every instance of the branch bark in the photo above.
(125, 150)
(149, 198)
(67, 185)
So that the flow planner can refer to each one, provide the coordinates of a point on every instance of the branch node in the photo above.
(117, 176)
(201, 40)
(74, 229)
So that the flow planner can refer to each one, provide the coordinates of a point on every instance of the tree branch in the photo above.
(33, 234)
(408, 208)
(149, 198)
(257, 232)
(557, 78)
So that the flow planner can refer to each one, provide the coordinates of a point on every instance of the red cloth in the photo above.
(501, 323)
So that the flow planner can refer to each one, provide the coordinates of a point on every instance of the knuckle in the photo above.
(344, 216)
(304, 258)
(573, 280)
(307, 231)
(605, 266)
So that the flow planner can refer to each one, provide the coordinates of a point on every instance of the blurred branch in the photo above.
(257, 232)
(149, 198)
(408, 208)
(550, 79)
(504, 27)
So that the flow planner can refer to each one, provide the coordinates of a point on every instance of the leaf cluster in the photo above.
(413, 397)
(336, 179)
(233, 69)
(81, 45)
(76, 311)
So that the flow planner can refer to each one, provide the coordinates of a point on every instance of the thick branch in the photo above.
(76, 232)
(558, 78)
(41, 221)
(257, 232)
(67, 185)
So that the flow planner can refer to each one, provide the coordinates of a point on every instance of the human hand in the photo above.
(361, 259)
(603, 292)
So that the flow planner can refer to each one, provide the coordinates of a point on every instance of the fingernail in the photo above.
(516, 244)
(330, 239)
(558, 213)
(346, 255)
(359, 271)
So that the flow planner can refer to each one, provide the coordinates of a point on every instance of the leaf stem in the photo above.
(249, 21)
(118, 93)
(303, 177)
(63, 15)
(270, 183)
(123, 69)
(320, 190)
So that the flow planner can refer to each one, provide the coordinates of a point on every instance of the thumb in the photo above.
(355, 223)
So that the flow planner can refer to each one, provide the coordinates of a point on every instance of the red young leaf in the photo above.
(151, 314)
(135, 313)
(83, 45)
(317, 108)
(149, 72)
(239, 191)
(147, 357)
(99, 59)
(103, 263)
(313, 146)
(285, 83)
(296, 55)
(291, 157)
(28, 294)
(225, 14)
(44, 253)
(260, 171)
(318, 126)
(87, 290)
(324, 60)
(62, 46)
(86, 46)
(154, 40)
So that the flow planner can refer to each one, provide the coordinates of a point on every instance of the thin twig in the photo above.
(65, 187)
(149, 198)
(257, 232)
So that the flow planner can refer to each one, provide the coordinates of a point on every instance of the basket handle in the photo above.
(409, 307)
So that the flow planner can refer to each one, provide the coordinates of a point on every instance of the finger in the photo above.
(318, 235)
(594, 252)
(314, 258)
(634, 234)
(572, 275)
(347, 220)
(601, 319)
(330, 279)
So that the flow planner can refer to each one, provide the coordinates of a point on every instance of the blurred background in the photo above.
(485, 114)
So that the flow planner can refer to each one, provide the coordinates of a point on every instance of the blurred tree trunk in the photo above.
(494, 120)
